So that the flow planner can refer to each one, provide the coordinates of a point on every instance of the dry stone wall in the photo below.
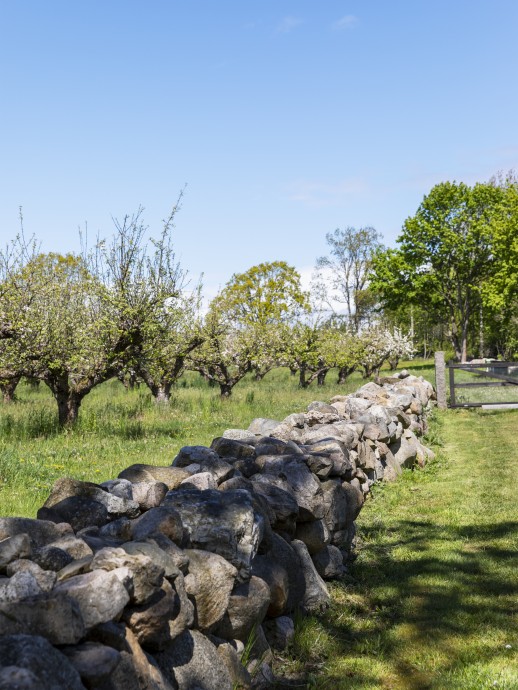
(160, 578)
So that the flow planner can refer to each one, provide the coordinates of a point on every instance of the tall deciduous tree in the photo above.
(444, 257)
(342, 276)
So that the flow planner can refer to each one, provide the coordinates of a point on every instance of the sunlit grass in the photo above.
(117, 428)
(433, 597)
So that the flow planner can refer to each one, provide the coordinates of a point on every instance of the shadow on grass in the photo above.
(451, 591)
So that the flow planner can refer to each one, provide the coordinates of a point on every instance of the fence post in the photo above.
(440, 380)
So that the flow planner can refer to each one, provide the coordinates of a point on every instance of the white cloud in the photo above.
(288, 24)
(345, 22)
(314, 193)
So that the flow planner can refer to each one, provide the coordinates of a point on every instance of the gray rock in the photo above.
(137, 670)
(185, 616)
(100, 595)
(119, 530)
(40, 532)
(46, 579)
(40, 660)
(283, 555)
(201, 481)
(229, 448)
(150, 621)
(316, 595)
(279, 632)
(294, 420)
(16, 678)
(172, 551)
(170, 476)
(159, 557)
(192, 661)
(84, 503)
(306, 490)
(239, 435)
(119, 487)
(329, 563)
(246, 608)
(207, 459)
(354, 501)
(319, 416)
(22, 585)
(315, 535)
(223, 522)
(93, 661)
(73, 546)
(334, 505)
(13, 548)
(53, 616)
(405, 450)
(276, 577)
(146, 576)
(230, 657)
(263, 427)
(281, 501)
(149, 494)
(209, 583)
(51, 558)
(163, 520)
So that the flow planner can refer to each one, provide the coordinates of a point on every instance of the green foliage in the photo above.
(449, 255)
(246, 327)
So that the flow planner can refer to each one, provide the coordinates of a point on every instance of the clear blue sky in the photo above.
(286, 119)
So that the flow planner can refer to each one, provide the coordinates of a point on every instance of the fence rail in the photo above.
(502, 375)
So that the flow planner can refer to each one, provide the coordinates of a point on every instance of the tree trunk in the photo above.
(321, 377)
(302, 378)
(68, 408)
(8, 387)
(162, 393)
(225, 389)
(343, 374)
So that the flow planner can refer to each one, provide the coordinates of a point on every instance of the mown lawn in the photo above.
(433, 598)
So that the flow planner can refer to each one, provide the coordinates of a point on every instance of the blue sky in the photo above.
(286, 119)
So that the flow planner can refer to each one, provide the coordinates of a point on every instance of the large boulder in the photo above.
(316, 594)
(192, 661)
(100, 595)
(223, 522)
(246, 608)
(209, 583)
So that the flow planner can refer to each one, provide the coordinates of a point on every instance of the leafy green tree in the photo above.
(228, 351)
(444, 257)
(67, 338)
(168, 340)
(245, 328)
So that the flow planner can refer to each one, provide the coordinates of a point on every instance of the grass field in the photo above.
(433, 601)
(117, 428)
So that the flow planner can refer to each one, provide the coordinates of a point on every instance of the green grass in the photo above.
(117, 428)
(433, 601)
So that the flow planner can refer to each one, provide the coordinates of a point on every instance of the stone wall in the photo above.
(162, 577)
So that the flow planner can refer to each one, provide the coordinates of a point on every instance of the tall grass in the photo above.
(118, 427)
